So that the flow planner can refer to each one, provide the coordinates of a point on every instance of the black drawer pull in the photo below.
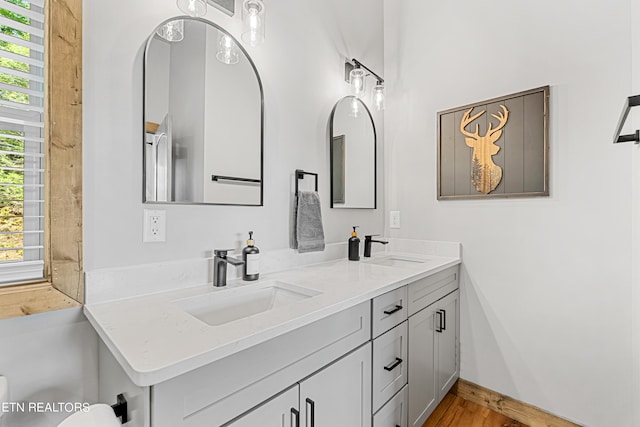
(311, 412)
(296, 417)
(393, 310)
(439, 326)
(393, 364)
(444, 320)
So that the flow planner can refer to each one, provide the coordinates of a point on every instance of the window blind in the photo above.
(21, 140)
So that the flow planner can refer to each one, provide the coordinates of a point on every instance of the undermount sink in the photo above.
(396, 261)
(227, 305)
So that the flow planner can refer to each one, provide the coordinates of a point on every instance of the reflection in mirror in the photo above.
(203, 117)
(353, 155)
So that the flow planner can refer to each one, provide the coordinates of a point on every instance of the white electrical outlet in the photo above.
(394, 219)
(155, 226)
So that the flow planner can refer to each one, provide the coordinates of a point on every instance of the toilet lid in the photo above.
(98, 415)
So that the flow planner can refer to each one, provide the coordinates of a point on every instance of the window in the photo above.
(41, 251)
(21, 140)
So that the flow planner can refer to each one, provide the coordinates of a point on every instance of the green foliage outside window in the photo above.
(12, 195)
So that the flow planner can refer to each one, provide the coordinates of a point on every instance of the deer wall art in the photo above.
(485, 175)
(495, 148)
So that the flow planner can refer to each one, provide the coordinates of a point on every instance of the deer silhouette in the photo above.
(485, 175)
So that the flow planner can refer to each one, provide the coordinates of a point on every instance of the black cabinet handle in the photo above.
(393, 364)
(439, 325)
(311, 412)
(296, 417)
(444, 320)
(393, 310)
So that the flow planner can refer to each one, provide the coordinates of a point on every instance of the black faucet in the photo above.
(220, 261)
(368, 240)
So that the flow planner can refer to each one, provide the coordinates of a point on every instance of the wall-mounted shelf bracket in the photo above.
(630, 102)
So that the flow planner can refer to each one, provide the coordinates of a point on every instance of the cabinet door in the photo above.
(423, 396)
(281, 411)
(340, 394)
(447, 370)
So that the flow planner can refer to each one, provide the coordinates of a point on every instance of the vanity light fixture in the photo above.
(378, 96)
(172, 31)
(193, 7)
(356, 78)
(253, 22)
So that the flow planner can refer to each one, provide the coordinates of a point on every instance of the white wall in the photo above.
(634, 151)
(50, 357)
(302, 68)
(546, 283)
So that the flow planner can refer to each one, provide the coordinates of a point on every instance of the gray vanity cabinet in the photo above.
(434, 332)
(386, 362)
(338, 395)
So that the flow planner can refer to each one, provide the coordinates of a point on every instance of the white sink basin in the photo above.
(396, 261)
(227, 305)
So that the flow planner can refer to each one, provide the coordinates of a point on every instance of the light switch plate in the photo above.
(155, 226)
(394, 219)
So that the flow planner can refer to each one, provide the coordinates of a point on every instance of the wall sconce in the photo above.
(253, 22)
(355, 75)
(172, 31)
(193, 7)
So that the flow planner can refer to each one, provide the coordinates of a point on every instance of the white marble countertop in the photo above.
(154, 340)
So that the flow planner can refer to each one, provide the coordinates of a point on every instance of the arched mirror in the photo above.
(203, 117)
(353, 155)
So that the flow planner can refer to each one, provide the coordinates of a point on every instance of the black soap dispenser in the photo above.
(251, 258)
(354, 245)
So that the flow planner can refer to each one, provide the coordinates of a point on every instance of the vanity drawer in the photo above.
(389, 364)
(394, 413)
(389, 310)
(424, 292)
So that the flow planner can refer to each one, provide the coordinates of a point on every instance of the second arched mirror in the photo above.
(353, 155)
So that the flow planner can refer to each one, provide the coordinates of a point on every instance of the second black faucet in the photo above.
(368, 240)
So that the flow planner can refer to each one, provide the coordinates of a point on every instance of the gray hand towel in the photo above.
(309, 233)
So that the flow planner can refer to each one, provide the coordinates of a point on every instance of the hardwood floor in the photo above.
(454, 411)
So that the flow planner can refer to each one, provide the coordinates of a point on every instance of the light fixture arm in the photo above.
(361, 65)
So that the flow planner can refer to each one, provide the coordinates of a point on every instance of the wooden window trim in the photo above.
(63, 284)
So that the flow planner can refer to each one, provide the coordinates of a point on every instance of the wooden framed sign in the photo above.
(495, 148)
